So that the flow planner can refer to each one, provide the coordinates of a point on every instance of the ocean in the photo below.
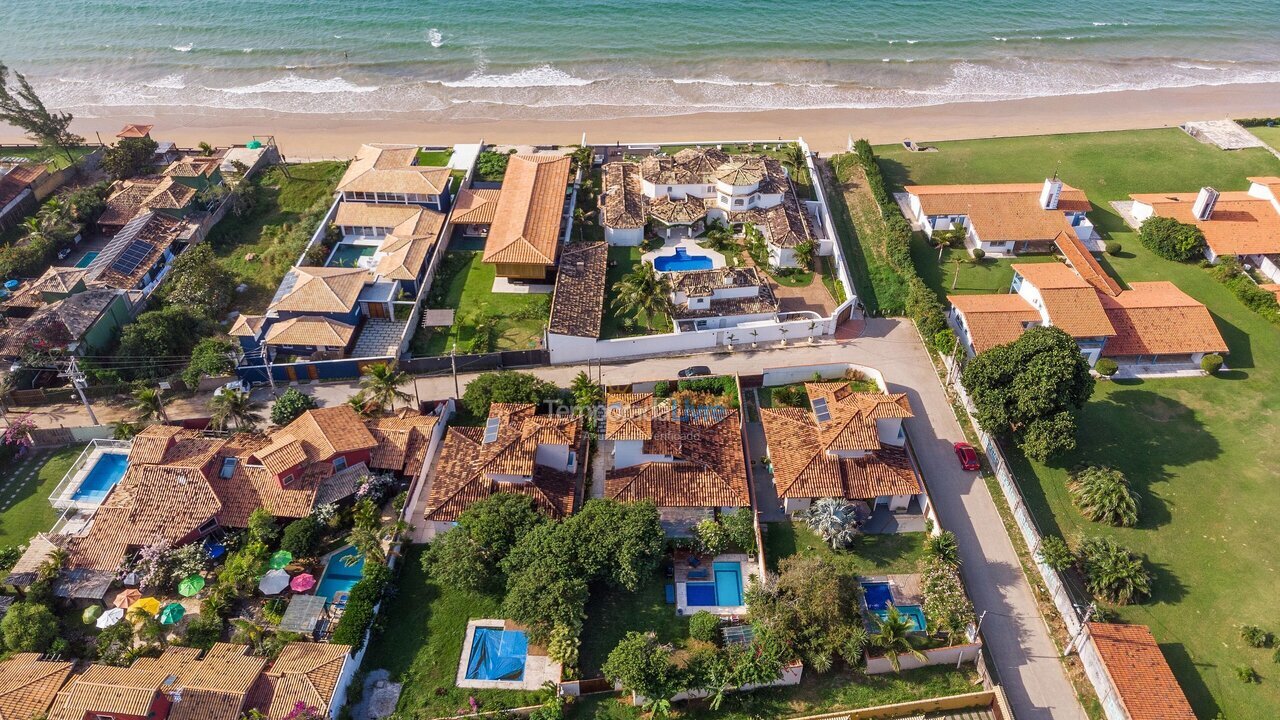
(608, 58)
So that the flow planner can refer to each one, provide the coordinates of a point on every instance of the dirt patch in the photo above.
(1162, 411)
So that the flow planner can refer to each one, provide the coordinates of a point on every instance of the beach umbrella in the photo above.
(110, 617)
(253, 144)
(149, 605)
(190, 585)
(273, 582)
(280, 559)
(172, 613)
(90, 614)
(215, 550)
(303, 582)
(126, 598)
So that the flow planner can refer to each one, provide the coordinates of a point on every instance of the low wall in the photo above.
(992, 700)
(791, 675)
(953, 655)
(342, 369)
(570, 349)
(828, 371)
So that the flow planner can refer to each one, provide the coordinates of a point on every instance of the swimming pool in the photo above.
(349, 255)
(725, 591)
(681, 261)
(105, 473)
(497, 654)
(339, 577)
(88, 258)
(879, 597)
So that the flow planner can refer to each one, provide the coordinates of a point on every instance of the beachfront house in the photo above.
(1244, 225)
(688, 460)
(846, 444)
(1005, 219)
(390, 174)
(58, 312)
(140, 254)
(529, 221)
(1148, 324)
(22, 186)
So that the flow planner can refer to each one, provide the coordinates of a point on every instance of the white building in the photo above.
(721, 298)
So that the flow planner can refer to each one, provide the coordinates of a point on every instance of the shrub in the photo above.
(362, 600)
(662, 389)
(1103, 495)
(1229, 272)
(836, 520)
(945, 603)
(1113, 573)
(943, 547)
(202, 632)
(712, 539)
(301, 537)
(29, 627)
(1255, 636)
(1106, 367)
(790, 396)
(944, 342)
(505, 386)
(644, 666)
(1246, 674)
(291, 404)
(722, 386)
(1055, 553)
(262, 526)
(491, 166)
(9, 556)
(1113, 248)
(1211, 363)
(705, 627)
(1171, 239)
(979, 253)
(210, 357)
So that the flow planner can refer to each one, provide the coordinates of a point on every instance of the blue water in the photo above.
(105, 473)
(879, 597)
(527, 58)
(700, 594)
(338, 576)
(497, 654)
(681, 261)
(88, 258)
(728, 583)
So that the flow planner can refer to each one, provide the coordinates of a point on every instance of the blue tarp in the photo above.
(497, 654)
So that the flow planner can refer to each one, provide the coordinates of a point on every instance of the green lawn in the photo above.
(880, 288)
(434, 158)
(988, 275)
(465, 284)
(1202, 452)
(424, 626)
(1268, 135)
(619, 323)
(276, 230)
(57, 159)
(25, 486)
(870, 554)
(612, 613)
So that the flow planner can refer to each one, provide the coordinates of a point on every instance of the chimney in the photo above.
(1050, 193)
(1205, 200)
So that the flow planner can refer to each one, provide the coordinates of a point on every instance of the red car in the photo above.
(967, 456)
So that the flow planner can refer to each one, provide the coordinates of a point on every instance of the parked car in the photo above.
(237, 385)
(967, 455)
(694, 371)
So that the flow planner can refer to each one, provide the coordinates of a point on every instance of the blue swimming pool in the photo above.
(497, 654)
(725, 591)
(879, 597)
(105, 473)
(88, 258)
(681, 261)
(339, 577)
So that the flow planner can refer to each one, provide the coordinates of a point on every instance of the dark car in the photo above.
(967, 455)
(695, 371)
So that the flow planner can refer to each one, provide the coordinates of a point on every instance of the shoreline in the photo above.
(337, 136)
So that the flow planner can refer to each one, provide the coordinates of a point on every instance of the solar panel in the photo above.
(132, 257)
(820, 409)
(491, 429)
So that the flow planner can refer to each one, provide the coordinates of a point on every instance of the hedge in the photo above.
(923, 304)
(361, 601)
(1229, 273)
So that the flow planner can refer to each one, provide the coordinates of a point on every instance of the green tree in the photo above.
(301, 537)
(505, 386)
(381, 386)
(705, 627)
(1112, 572)
(1171, 239)
(893, 635)
(491, 166)
(454, 559)
(811, 606)
(1103, 495)
(290, 406)
(836, 520)
(87, 202)
(211, 357)
(157, 335)
(1031, 388)
(1055, 553)
(587, 396)
(199, 282)
(28, 626)
(129, 157)
(22, 108)
(643, 292)
(499, 522)
(234, 407)
(262, 527)
(644, 666)
(148, 405)
(804, 251)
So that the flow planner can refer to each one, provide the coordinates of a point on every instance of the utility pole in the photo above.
(453, 361)
(1084, 622)
(77, 378)
(162, 386)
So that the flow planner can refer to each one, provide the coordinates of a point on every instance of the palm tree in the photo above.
(247, 632)
(1103, 495)
(361, 404)
(1112, 572)
(148, 403)
(834, 519)
(382, 386)
(643, 292)
(586, 396)
(368, 542)
(804, 253)
(52, 214)
(34, 229)
(893, 635)
(233, 406)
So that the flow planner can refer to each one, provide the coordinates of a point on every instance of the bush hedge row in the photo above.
(1229, 273)
(359, 613)
(923, 304)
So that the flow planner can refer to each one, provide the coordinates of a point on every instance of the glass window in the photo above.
(339, 464)
(228, 468)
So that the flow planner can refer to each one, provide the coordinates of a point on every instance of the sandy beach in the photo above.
(317, 136)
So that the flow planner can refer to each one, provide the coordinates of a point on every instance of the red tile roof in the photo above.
(1145, 684)
(1003, 212)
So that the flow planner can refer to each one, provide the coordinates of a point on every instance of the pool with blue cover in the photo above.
(497, 654)
(681, 261)
(105, 473)
(724, 591)
(339, 577)
(879, 597)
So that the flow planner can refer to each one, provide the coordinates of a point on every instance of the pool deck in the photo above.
(65, 500)
(690, 246)
(538, 669)
(681, 562)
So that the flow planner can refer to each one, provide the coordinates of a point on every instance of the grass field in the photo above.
(612, 613)
(1201, 451)
(618, 323)
(421, 645)
(1268, 135)
(880, 288)
(276, 230)
(57, 159)
(465, 284)
(434, 158)
(25, 486)
(870, 554)
(988, 275)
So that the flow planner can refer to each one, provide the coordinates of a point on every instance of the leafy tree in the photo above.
(87, 202)
(454, 559)
(704, 626)
(804, 251)
(290, 406)
(740, 528)
(812, 607)
(210, 357)
(234, 407)
(1112, 572)
(262, 527)
(645, 666)
(1171, 239)
(893, 635)
(22, 108)
(1031, 388)
(114, 642)
(505, 386)
(148, 404)
(564, 645)
(157, 335)
(129, 157)
(836, 520)
(498, 523)
(1103, 495)
(199, 282)
(9, 556)
(1055, 553)
(381, 386)
(643, 292)
(301, 537)
(28, 626)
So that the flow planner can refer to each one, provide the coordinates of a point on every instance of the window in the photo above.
(737, 202)
(287, 479)
(228, 468)
(208, 526)
(339, 464)
(573, 459)
(491, 430)
(820, 409)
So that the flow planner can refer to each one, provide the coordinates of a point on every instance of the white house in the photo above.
(720, 298)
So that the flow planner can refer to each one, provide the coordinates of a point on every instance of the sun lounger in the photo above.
(698, 574)
(671, 594)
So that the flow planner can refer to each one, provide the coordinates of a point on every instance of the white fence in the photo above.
(571, 349)
(953, 655)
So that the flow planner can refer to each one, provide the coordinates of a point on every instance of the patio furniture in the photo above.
(671, 594)
(698, 574)
(109, 618)
(274, 582)
(694, 561)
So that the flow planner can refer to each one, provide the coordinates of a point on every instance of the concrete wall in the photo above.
(938, 656)
(791, 675)
(828, 371)
(570, 349)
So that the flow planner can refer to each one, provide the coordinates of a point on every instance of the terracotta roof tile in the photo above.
(308, 673)
(28, 685)
(135, 130)
(475, 207)
(577, 305)
(320, 289)
(402, 443)
(1156, 318)
(391, 169)
(622, 203)
(1003, 212)
(1145, 684)
(527, 219)
(318, 331)
(1240, 224)
(687, 167)
(1085, 264)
